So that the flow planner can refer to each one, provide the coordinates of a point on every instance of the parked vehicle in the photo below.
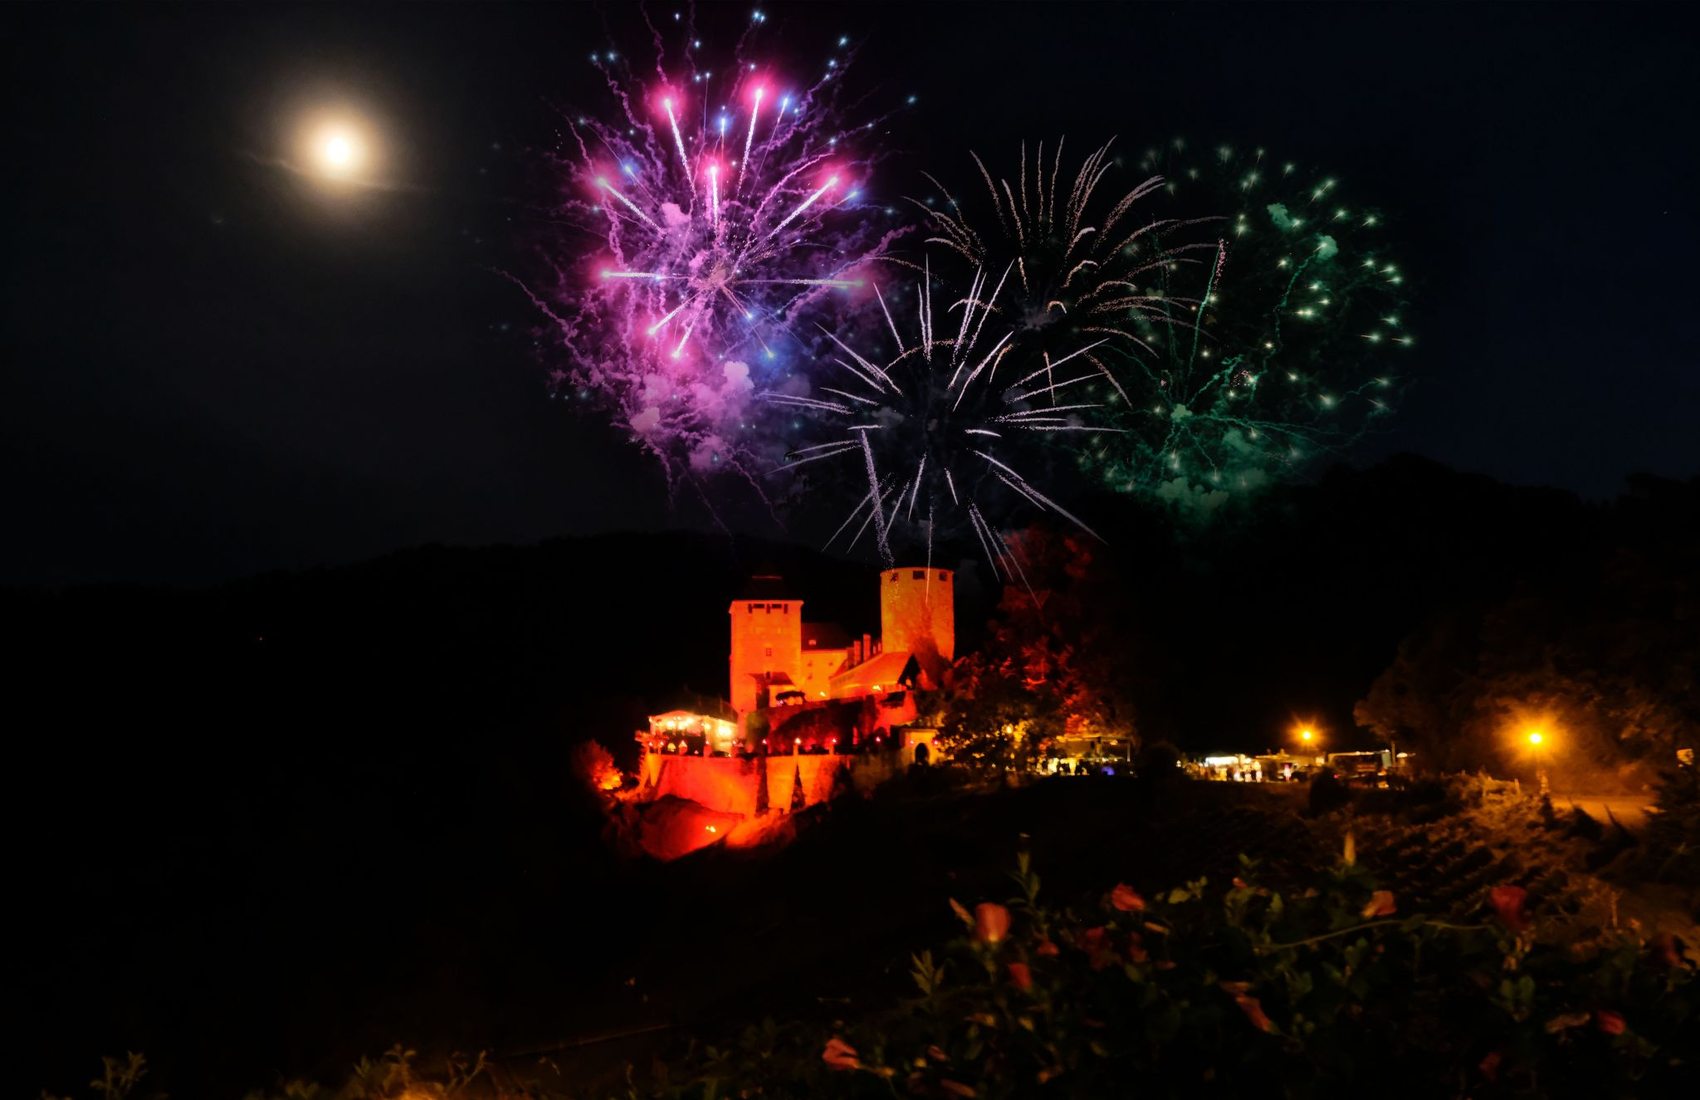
(1367, 768)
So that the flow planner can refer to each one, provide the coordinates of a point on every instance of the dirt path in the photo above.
(1630, 810)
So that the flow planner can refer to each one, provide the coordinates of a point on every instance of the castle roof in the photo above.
(690, 703)
(888, 670)
(765, 586)
(825, 636)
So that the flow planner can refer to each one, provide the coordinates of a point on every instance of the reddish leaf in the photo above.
(1095, 942)
(1380, 905)
(840, 1055)
(1254, 1012)
(991, 922)
(1127, 899)
(1507, 902)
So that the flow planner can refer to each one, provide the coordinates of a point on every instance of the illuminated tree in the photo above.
(594, 767)
(1056, 662)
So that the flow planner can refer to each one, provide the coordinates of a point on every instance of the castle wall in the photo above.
(767, 637)
(722, 783)
(730, 785)
(918, 615)
(818, 667)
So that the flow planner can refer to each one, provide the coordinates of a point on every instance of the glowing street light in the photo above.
(1537, 745)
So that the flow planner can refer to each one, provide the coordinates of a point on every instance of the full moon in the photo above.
(339, 151)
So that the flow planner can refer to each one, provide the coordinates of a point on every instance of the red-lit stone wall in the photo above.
(818, 667)
(918, 615)
(767, 637)
(730, 785)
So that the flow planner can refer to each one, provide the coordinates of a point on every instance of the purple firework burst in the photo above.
(715, 210)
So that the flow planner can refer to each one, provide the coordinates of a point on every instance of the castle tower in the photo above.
(767, 644)
(918, 615)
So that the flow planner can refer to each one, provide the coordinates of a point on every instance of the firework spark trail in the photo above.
(1069, 271)
(713, 317)
(1293, 352)
(945, 417)
(708, 219)
(873, 487)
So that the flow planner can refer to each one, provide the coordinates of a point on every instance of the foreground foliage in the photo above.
(1334, 986)
(1233, 988)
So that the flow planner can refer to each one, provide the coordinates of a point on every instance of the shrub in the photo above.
(1158, 761)
(593, 766)
(1241, 990)
(1326, 794)
(1202, 989)
(1673, 836)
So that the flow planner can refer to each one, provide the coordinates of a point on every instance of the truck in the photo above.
(1369, 767)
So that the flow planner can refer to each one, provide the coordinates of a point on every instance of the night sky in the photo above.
(212, 368)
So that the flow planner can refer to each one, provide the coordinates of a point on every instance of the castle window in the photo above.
(769, 652)
(918, 575)
(943, 576)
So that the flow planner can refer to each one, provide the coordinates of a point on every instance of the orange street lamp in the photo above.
(1537, 745)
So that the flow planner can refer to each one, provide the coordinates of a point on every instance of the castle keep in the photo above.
(811, 707)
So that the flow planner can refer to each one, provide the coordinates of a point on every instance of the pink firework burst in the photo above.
(715, 209)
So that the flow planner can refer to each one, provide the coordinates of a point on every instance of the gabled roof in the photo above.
(887, 670)
(689, 714)
(825, 636)
(689, 702)
(765, 586)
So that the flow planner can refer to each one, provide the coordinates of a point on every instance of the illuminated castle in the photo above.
(783, 671)
(779, 658)
(815, 713)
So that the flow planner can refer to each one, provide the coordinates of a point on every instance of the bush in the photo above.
(1202, 989)
(1673, 836)
(1420, 802)
(1326, 794)
(1158, 761)
(594, 767)
(1240, 990)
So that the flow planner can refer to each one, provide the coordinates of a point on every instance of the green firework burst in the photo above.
(1295, 347)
